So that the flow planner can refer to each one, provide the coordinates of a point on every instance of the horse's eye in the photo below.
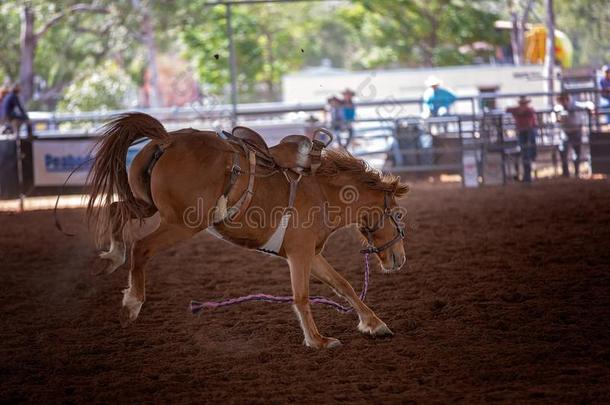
(398, 215)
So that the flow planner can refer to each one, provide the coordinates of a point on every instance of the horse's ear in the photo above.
(400, 189)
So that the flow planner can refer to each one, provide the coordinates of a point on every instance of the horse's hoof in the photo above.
(379, 330)
(125, 317)
(130, 310)
(323, 343)
(382, 330)
(332, 342)
(105, 268)
(111, 261)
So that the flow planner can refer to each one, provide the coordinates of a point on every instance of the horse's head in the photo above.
(384, 231)
(373, 196)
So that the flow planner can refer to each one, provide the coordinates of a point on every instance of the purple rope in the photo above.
(197, 306)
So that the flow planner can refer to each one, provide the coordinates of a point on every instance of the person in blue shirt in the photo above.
(3, 92)
(436, 100)
(13, 112)
(436, 103)
(349, 113)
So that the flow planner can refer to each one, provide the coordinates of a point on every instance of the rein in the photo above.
(196, 306)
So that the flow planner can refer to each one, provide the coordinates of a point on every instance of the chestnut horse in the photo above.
(182, 175)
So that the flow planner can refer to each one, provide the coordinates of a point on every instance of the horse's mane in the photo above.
(336, 162)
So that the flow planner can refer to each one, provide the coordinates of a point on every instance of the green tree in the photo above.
(9, 42)
(429, 32)
(587, 23)
(267, 40)
(208, 48)
(104, 88)
(273, 39)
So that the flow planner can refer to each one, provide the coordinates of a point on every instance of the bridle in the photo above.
(398, 226)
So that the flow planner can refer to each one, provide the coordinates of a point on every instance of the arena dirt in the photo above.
(506, 297)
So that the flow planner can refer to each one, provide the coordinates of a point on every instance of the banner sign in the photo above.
(54, 160)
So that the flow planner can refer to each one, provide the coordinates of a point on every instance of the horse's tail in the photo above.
(108, 176)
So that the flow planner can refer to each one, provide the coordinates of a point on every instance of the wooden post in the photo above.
(549, 58)
(233, 66)
(19, 153)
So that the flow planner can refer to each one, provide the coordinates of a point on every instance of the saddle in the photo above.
(294, 152)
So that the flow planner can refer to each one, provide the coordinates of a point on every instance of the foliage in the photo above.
(587, 23)
(80, 51)
(104, 89)
(9, 42)
(425, 32)
(268, 43)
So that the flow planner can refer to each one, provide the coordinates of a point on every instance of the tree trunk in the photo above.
(271, 62)
(28, 49)
(151, 46)
(515, 34)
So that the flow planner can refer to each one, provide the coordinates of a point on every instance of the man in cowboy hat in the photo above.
(335, 113)
(569, 115)
(436, 103)
(436, 99)
(526, 124)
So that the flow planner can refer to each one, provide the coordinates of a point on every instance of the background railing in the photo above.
(476, 141)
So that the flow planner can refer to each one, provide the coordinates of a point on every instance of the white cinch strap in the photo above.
(213, 231)
(274, 244)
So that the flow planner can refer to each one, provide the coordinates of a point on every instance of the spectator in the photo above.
(14, 113)
(335, 112)
(436, 100)
(570, 118)
(604, 87)
(349, 113)
(3, 93)
(526, 124)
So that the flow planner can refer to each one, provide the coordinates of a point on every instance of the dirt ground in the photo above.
(506, 297)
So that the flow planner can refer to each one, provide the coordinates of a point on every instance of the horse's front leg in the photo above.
(369, 322)
(300, 267)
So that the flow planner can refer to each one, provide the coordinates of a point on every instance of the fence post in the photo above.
(461, 150)
(502, 148)
(19, 153)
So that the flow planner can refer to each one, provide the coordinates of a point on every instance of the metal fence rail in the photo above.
(387, 132)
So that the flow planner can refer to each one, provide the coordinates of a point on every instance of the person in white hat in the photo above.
(436, 99)
(569, 115)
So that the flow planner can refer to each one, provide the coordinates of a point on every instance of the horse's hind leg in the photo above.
(369, 322)
(116, 254)
(162, 238)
